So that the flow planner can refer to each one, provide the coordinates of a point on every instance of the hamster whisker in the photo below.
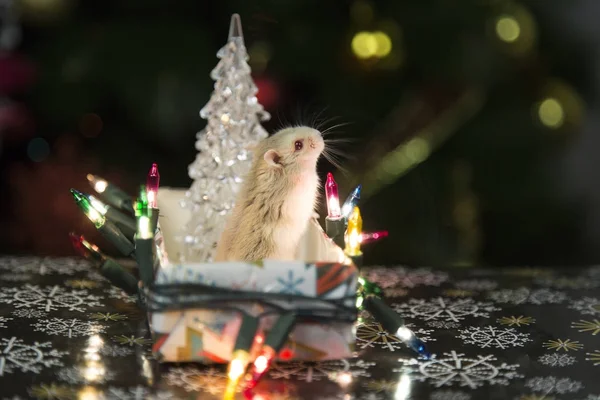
(337, 164)
(339, 140)
(330, 130)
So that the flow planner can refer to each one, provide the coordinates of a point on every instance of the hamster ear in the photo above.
(272, 158)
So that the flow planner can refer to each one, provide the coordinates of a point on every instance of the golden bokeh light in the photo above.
(551, 113)
(364, 45)
(508, 28)
(383, 44)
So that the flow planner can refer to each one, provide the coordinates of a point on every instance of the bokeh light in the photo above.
(260, 54)
(38, 149)
(560, 107)
(384, 44)
(551, 113)
(508, 28)
(515, 28)
(364, 45)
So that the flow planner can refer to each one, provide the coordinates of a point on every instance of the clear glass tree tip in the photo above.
(233, 128)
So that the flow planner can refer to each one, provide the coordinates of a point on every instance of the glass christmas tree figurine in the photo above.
(233, 127)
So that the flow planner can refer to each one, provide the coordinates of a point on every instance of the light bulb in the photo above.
(152, 184)
(333, 199)
(97, 183)
(351, 202)
(353, 233)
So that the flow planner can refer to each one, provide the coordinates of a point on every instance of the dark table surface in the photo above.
(511, 333)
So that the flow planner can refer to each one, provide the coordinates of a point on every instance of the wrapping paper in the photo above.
(208, 336)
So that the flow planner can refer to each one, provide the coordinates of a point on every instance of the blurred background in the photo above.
(472, 125)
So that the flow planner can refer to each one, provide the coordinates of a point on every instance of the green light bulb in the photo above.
(141, 206)
(84, 204)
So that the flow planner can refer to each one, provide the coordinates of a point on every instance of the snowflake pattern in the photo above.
(29, 313)
(587, 305)
(405, 277)
(490, 336)
(518, 321)
(594, 357)
(525, 295)
(70, 328)
(443, 324)
(52, 392)
(478, 285)
(310, 371)
(372, 333)
(557, 360)
(551, 385)
(445, 309)
(115, 351)
(15, 277)
(113, 317)
(449, 395)
(587, 326)
(45, 266)
(455, 368)
(82, 284)
(565, 345)
(4, 320)
(50, 298)
(131, 340)
(16, 355)
(136, 393)
(82, 375)
(193, 379)
(114, 292)
(290, 284)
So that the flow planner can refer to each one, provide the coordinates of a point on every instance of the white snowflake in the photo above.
(28, 313)
(70, 328)
(490, 336)
(587, 305)
(194, 379)
(454, 368)
(310, 371)
(81, 375)
(115, 350)
(406, 277)
(525, 295)
(557, 360)
(552, 384)
(115, 293)
(449, 395)
(16, 355)
(15, 277)
(136, 393)
(443, 324)
(45, 266)
(477, 284)
(3, 321)
(445, 309)
(49, 298)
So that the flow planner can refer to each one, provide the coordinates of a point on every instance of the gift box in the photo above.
(320, 288)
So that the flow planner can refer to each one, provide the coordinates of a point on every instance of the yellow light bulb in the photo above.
(508, 28)
(144, 230)
(353, 233)
(384, 44)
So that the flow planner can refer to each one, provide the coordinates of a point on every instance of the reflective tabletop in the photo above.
(505, 333)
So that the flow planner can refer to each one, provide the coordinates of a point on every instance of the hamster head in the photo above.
(294, 146)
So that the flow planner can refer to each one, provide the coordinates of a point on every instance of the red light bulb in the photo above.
(260, 366)
(152, 183)
(372, 237)
(77, 242)
(333, 199)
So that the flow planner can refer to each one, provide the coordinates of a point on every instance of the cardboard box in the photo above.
(205, 335)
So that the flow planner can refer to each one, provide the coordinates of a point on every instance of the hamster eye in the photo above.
(298, 145)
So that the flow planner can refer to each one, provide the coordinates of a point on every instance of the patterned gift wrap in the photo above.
(208, 335)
